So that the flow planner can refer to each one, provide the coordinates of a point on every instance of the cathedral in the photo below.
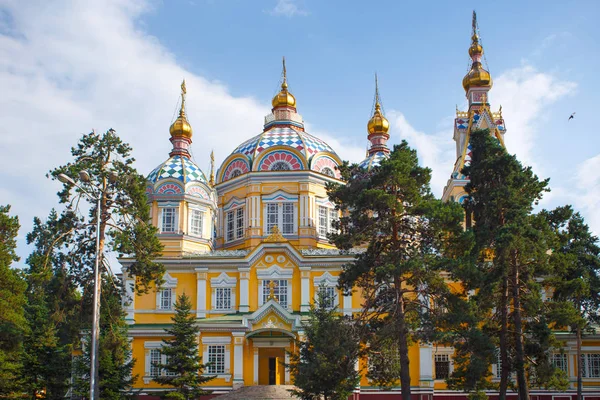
(248, 244)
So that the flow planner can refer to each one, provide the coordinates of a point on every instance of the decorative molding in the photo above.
(223, 281)
(331, 252)
(275, 236)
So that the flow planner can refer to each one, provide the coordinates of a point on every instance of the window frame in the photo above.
(213, 367)
(326, 216)
(175, 216)
(234, 224)
(278, 292)
(590, 364)
(283, 214)
(438, 359)
(193, 211)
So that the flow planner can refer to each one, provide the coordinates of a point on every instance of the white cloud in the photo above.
(523, 93)
(588, 197)
(67, 67)
(287, 8)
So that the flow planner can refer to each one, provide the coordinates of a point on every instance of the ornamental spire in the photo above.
(477, 77)
(378, 126)
(284, 98)
(181, 130)
(211, 182)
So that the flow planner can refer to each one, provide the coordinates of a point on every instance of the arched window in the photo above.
(235, 173)
(328, 171)
(280, 166)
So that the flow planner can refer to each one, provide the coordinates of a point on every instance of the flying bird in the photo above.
(571, 117)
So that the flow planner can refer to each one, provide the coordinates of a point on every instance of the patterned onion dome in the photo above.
(373, 160)
(308, 145)
(180, 168)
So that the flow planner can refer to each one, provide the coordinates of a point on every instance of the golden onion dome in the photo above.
(477, 76)
(378, 123)
(181, 127)
(284, 98)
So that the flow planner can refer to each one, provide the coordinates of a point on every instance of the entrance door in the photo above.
(272, 370)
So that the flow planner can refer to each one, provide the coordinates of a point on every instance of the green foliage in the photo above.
(183, 368)
(507, 253)
(384, 364)
(53, 307)
(114, 353)
(13, 325)
(390, 210)
(125, 222)
(324, 364)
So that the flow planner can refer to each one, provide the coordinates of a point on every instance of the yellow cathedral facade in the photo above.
(249, 246)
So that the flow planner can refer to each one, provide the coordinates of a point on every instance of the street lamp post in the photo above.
(85, 177)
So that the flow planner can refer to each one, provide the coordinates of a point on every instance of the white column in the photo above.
(201, 292)
(287, 370)
(348, 305)
(238, 359)
(256, 365)
(244, 289)
(305, 289)
(426, 365)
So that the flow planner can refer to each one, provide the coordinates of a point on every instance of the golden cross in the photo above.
(272, 286)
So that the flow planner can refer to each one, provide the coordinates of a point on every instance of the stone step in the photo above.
(260, 392)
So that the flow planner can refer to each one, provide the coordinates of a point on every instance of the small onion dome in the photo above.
(378, 123)
(181, 127)
(284, 98)
(477, 76)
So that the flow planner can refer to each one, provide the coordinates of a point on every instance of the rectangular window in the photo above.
(442, 366)
(169, 219)
(329, 295)
(272, 217)
(154, 361)
(279, 291)
(216, 359)
(165, 299)
(326, 218)
(288, 218)
(222, 298)
(560, 361)
(498, 364)
(196, 222)
(590, 365)
(323, 221)
(234, 224)
(281, 215)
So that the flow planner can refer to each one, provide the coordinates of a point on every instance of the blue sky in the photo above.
(67, 67)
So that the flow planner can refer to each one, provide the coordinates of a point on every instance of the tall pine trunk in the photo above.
(504, 367)
(518, 330)
(403, 347)
(579, 366)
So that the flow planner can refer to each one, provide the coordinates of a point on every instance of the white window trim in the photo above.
(218, 341)
(161, 208)
(279, 198)
(327, 280)
(330, 207)
(223, 281)
(148, 347)
(170, 283)
(235, 226)
(202, 210)
(275, 273)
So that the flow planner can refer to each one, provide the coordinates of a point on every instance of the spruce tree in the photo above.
(13, 325)
(324, 363)
(183, 369)
(391, 211)
(53, 311)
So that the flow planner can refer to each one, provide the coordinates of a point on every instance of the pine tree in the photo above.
(115, 364)
(510, 245)
(575, 280)
(392, 212)
(324, 365)
(13, 325)
(183, 368)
